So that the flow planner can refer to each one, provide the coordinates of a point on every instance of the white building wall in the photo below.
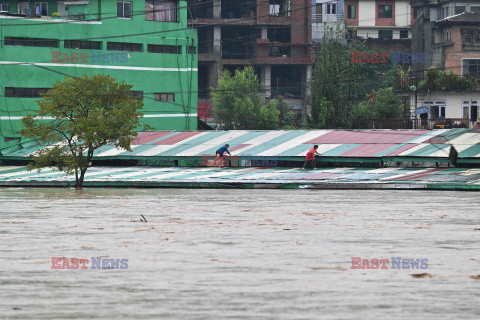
(402, 13)
(366, 13)
(453, 101)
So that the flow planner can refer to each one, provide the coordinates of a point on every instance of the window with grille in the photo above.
(25, 92)
(385, 34)
(124, 46)
(76, 44)
(30, 42)
(137, 94)
(4, 7)
(472, 66)
(154, 48)
(165, 11)
(165, 97)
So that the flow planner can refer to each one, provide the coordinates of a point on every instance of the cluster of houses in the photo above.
(443, 34)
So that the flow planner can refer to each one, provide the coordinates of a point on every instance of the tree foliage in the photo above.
(386, 105)
(338, 85)
(238, 104)
(81, 115)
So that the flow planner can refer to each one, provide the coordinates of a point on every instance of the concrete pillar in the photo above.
(266, 77)
(264, 33)
(217, 9)
(308, 78)
(217, 39)
(215, 69)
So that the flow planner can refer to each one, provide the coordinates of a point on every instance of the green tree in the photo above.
(83, 115)
(238, 104)
(338, 83)
(386, 105)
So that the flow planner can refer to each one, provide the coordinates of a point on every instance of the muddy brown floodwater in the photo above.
(239, 254)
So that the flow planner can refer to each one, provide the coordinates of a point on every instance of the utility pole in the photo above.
(280, 109)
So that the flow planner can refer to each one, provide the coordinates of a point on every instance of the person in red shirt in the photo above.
(310, 157)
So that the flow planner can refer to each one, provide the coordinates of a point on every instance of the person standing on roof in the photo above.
(220, 154)
(310, 157)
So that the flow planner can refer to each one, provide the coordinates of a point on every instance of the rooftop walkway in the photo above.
(282, 178)
(193, 148)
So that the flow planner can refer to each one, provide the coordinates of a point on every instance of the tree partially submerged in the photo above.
(78, 116)
(238, 104)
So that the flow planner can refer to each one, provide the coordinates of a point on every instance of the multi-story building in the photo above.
(447, 34)
(385, 24)
(145, 43)
(274, 36)
(327, 14)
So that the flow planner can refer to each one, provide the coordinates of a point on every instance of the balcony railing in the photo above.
(426, 124)
(320, 17)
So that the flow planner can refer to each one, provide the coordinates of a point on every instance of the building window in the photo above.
(445, 12)
(165, 97)
(470, 110)
(352, 11)
(76, 44)
(124, 46)
(460, 9)
(470, 40)
(475, 8)
(124, 10)
(433, 14)
(318, 12)
(403, 34)
(385, 34)
(331, 8)
(137, 94)
(279, 8)
(472, 66)
(42, 8)
(154, 48)
(4, 7)
(437, 112)
(25, 92)
(385, 12)
(161, 11)
(31, 42)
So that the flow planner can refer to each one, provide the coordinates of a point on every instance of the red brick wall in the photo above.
(351, 22)
(300, 21)
(454, 53)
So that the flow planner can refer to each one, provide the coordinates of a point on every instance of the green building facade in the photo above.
(145, 43)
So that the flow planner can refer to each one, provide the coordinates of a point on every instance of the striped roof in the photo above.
(140, 176)
(293, 143)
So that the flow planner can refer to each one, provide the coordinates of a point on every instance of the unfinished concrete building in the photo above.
(273, 36)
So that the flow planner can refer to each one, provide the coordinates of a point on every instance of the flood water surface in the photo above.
(239, 254)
